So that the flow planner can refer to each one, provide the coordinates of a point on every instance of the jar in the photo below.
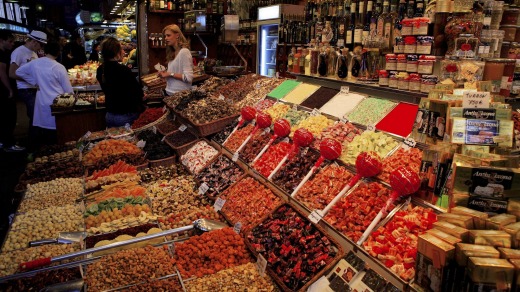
(504, 52)
(410, 45)
(412, 62)
(458, 24)
(415, 82)
(403, 81)
(507, 77)
(497, 9)
(420, 26)
(399, 45)
(487, 44)
(499, 36)
(510, 16)
(407, 26)
(514, 51)
(392, 79)
(449, 69)
(424, 45)
(314, 61)
(428, 83)
(509, 32)
(391, 62)
(425, 65)
(493, 71)
(383, 78)
(401, 62)
(466, 46)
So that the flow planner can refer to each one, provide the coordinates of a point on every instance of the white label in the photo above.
(235, 157)
(261, 264)
(344, 89)
(357, 35)
(476, 99)
(221, 97)
(315, 216)
(286, 140)
(371, 128)
(315, 112)
(154, 129)
(203, 189)
(237, 227)
(349, 37)
(127, 126)
(343, 120)
(163, 138)
(164, 109)
(182, 128)
(141, 144)
(87, 134)
(219, 204)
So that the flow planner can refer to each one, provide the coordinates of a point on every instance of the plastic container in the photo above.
(383, 78)
(466, 46)
(401, 62)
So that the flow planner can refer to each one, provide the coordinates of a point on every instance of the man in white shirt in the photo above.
(51, 79)
(19, 57)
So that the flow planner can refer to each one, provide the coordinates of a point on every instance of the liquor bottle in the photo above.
(410, 9)
(375, 17)
(170, 5)
(381, 20)
(342, 67)
(368, 18)
(341, 21)
(388, 32)
(161, 4)
(349, 39)
(419, 8)
(402, 10)
(309, 10)
(487, 15)
(359, 24)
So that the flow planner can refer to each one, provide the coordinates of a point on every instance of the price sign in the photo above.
(237, 227)
(221, 97)
(182, 128)
(476, 99)
(408, 143)
(154, 129)
(235, 157)
(447, 87)
(219, 203)
(141, 144)
(315, 216)
(87, 134)
(344, 89)
(343, 120)
(203, 189)
(315, 112)
(371, 128)
(261, 264)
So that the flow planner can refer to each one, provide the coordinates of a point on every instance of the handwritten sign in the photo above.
(476, 99)
(315, 216)
(371, 128)
(203, 189)
(237, 227)
(219, 203)
(182, 128)
(261, 264)
(344, 89)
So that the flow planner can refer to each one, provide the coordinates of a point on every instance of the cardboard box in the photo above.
(499, 221)
(463, 221)
(436, 249)
(486, 270)
(453, 230)
(509, 253)
(479, 218)
(496, 238)
(431, 279)
(463, 251)
(444, 236)
(516, 280)
(514, 231)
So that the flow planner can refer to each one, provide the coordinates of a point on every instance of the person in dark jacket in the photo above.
(123, 93)
(75, 52)
(94, 54)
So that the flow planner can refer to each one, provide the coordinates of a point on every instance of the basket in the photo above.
(211, 127)
(162, 162)
(213, 194)
(323, 270)
(154, 123)
(180, 150)
(162, 127)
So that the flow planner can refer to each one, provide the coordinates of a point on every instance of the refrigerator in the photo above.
(268, 24)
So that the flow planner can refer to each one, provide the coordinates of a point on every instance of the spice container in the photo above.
(420, 26)
(415, 82)
(493, 71)
(507, 77)
(509, 32)
(510, 16)
(392, 79)
(383, 78)
(410, 45)
(497, 9)
(466, 46)
(424, 45)
(407, 26)
(391, 62)
(425, 65)
(403, 81)
(411, 63)
(401, 62)
(428, 83)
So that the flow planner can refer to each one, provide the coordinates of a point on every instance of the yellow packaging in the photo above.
(496, 238)
(479, 218)
(451, 229)
(436, 249)
(514, 231)
(486, 270)
(498, 221)
(463, 221)
(444, 236)
(509, 253)
(464, 251)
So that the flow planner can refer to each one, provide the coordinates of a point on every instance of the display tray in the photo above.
(154, 123)
(163, 162)
(207, 129)
(212, 195)
(180, 150)
(167, 127)
(335, 245)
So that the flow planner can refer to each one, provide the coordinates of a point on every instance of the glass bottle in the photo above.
(322, 64)
(342, 66)
(308, 63)
(296, 61)
(290, 60)
(466, 46)
(303, 57)
(332, 60)
(359, 24)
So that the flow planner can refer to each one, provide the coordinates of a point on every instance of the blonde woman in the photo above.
(180, 65)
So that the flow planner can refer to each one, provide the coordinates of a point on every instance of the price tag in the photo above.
(409, 143)
(87, 134)
(182, 128)
(315, 112)
(261, 264)
(219, 203)
(315, 216)
(154, 129)
(266, 131)
(285, 140)
(476, 99)
(127, 127)
(141, 144)
(294, 107)
(163, 138)
(371, 128)
(235, 157)
(344, 89)
(343, 120)
(258, 85)
(237, 227)
(203, 189)
(164, 109)
(221, 97)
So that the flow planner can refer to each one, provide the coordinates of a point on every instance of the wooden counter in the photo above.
(71, 125)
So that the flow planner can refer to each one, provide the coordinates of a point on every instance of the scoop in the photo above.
(247, 114)
(368, 164)
(404, 182)
(202, 225)
(63, 237)
(330, 149)
(263, 121)
(302, 138)
(282, 128)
